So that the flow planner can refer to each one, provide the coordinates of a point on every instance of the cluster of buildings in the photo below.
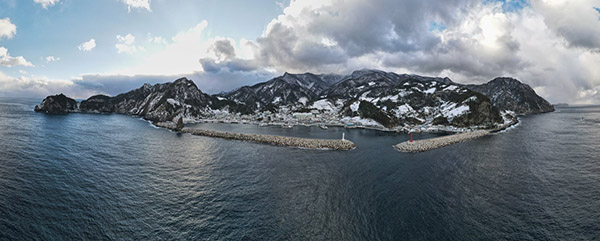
(287, 118)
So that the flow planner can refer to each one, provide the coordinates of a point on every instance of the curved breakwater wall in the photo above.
(331, 144)
(429, 144)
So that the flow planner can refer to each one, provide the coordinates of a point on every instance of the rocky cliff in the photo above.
(510, 94)
(57, 104)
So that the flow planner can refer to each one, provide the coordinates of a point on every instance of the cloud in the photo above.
(223, 49)
(87, 46)
(7, 29)
(551, 45)
(207, 82)
(128, 39)
(46, 3)
(126, 45)
(231, 65)
(157, 39)
(39, 87)
(52, 59)
(178, 56)
(144, 4)
(576, 21)
(9, 61)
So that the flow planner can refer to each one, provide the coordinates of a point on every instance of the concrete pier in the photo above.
(329, 144)
(429, 144)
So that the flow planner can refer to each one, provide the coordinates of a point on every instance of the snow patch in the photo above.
(303, 100)
(403, 109)
(461, 110)
(173, 102)
(472, 98)
(361, 121)
(354, 106)
(430, 91)
(323, 104)
(451, 88)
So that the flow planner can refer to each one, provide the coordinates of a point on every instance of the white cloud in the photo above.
(126, 45)
(129, 49)
(177, 57)
(7, 29)
(46, 3)
(22, 71)
(52, 59)
(40, 86)
(575, 21)
(9, 61)
(145, 4)
(157, 39)
(87, 46)
(127, 39)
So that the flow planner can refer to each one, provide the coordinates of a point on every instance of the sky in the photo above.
(86, 47)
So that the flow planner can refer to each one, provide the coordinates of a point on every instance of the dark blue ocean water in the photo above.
(114, 177)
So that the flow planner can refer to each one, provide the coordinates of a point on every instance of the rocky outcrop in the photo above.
(512, 95)
(97, 104)
(163, 102)
(57, 104)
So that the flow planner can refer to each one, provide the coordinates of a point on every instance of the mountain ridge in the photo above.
(365, 97)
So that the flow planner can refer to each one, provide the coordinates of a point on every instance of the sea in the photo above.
(117, 177)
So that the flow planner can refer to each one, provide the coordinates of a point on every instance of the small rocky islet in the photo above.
(365, 98)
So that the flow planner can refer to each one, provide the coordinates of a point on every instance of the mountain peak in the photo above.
(183, 80)
(361, 72)
(511, 94)
(504, 80)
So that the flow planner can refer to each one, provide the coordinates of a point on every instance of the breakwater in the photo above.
(329, 144)
(429, 144)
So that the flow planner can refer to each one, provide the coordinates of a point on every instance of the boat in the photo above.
(324, 127)
(287, 126)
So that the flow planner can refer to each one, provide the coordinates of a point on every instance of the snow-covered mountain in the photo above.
(287, 89)
(160, 102)
(364, 97)
(511, 94)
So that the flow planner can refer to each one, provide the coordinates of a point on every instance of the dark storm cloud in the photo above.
(223, 49)
(355, 28)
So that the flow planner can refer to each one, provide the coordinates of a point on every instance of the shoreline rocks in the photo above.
(328, 144)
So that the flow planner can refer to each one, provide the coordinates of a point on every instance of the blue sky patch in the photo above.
(510, 5)
(435, 26)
